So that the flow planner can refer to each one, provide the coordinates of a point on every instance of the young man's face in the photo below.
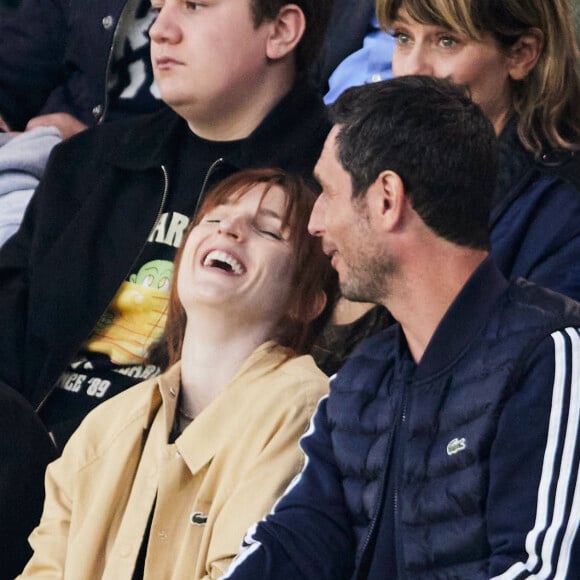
(208, 57)
(345, 226)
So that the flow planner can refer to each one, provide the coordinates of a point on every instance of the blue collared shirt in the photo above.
(369, 64)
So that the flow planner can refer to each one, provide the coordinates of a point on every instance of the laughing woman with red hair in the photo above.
(163, 480)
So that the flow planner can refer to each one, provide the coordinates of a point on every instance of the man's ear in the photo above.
(523, 55)
(387, 200)
(287, 30)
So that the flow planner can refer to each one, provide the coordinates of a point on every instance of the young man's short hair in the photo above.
(317, 13)
(435, 138)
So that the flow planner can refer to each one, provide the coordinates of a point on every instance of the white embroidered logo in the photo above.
(456, 445)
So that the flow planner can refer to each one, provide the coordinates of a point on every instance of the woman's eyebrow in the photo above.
(269, 213)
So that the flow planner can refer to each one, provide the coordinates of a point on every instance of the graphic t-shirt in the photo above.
(131, 87)
(113, 357)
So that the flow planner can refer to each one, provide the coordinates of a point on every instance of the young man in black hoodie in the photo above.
(84, 283)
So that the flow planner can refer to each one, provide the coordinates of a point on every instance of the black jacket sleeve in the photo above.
(25, 449)
(32, 49)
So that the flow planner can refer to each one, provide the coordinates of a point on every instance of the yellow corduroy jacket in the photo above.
(222, 474)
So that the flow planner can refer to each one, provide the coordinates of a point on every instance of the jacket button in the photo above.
(97, 111)
(107, 22)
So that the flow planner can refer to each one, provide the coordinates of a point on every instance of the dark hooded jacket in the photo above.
(92, 213)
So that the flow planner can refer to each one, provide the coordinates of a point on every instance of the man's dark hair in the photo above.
(317, 13)
(435, 138)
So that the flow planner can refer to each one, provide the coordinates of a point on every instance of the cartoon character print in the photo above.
(136, 316)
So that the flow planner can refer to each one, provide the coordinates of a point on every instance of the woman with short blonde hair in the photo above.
(518, 60)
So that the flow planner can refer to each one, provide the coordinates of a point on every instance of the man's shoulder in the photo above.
(542, 304)
(138, 123)
(523, 317)
(292, 134)
(131, 133)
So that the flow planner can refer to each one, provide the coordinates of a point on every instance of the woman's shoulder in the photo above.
(302, 372)
(116, 417)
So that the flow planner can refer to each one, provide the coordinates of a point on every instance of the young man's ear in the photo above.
(387, 200)
(523, 55)
(287, 30)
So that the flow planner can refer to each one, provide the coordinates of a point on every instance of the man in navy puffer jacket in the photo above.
(447, 447)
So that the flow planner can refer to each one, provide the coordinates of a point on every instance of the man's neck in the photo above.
(238, 117)
(425, 294)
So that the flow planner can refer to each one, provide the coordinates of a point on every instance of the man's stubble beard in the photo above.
(371, 272)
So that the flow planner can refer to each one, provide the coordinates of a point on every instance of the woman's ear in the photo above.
(311, 311)
(287, 30)
(317, 306)
(523, 55)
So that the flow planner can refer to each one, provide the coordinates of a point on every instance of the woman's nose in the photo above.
(415, 61)
(233, 226)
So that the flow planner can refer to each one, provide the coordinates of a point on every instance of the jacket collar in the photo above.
(464, 319)
(517, 166)
(157, 134)
(514, 169)
(224, 416)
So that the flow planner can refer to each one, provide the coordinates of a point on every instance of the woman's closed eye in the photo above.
(269, 227)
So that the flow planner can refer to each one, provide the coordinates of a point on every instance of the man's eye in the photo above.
(193, 6)
(156, 7)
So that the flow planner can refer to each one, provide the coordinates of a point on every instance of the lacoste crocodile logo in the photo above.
(197, 519)
(456, 445)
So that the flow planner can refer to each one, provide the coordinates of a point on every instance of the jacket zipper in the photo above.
(202, 191)
(397, 540)
(109, 61)
(363, 568)
(157, 218)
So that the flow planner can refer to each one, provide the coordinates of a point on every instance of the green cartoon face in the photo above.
(156, 274)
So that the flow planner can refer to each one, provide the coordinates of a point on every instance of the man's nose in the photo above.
(316, 222)
(166, 28)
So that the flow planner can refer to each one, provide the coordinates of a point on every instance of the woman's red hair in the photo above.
(313, 274)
